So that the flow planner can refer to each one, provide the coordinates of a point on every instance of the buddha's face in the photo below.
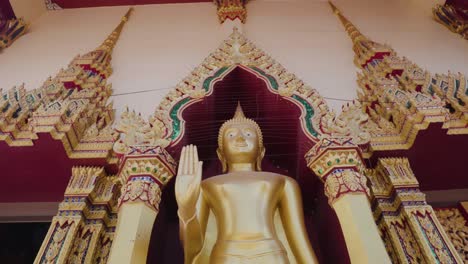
(240, 144)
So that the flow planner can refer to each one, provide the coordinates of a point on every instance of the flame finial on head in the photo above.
(239, 112)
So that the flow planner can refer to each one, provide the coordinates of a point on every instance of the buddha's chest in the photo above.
(245, 190)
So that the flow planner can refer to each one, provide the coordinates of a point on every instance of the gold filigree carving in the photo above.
(342, 182)
(338, 163)
(236, 50)
(145, 171)
(401, 210)
(231, 9)
(456, 227)
(141, 189)
(88, 211)
(72, 107)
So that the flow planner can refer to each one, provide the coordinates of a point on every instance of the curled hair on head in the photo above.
(239, 118)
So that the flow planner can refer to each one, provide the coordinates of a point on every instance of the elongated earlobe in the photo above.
(222, 160)
(258, 164)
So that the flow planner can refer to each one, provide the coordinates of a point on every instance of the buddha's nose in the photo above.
(240, 139)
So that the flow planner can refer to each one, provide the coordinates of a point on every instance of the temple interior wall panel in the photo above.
(163, 43)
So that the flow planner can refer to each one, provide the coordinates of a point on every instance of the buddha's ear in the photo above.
(222, 159)
(260, 158)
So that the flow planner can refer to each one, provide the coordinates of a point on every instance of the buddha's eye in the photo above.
(248, 134)
(231, 135)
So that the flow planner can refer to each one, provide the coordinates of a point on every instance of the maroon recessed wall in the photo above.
(438, 160)
(6, 11)
(39, 173)
(95, 3)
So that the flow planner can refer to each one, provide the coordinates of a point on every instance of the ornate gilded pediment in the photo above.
(166, 127)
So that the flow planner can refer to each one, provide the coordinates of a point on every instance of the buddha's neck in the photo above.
(235, 167)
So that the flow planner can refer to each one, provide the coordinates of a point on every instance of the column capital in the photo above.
(150, 161)
(338, 163)
(145, 170)
(330, 154)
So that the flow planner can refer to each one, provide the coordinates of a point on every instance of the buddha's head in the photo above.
(240, 143)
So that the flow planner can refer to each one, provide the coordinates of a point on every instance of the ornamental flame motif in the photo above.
(231, 9)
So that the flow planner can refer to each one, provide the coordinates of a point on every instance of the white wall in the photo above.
(30, 10)
(161, 44)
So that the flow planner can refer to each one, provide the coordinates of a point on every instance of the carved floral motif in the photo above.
(407, 241)
(88, 212)
(56, 243)
(340, 182)
(456, 227)
(143, 189)
(400, 207)
(231, 9)
(145, 171)
(338, 163)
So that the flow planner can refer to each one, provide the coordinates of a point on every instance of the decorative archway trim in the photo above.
(307, 110)
(166, 126)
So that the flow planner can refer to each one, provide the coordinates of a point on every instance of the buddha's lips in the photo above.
(241, 145)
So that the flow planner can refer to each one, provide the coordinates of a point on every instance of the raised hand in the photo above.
(188, 181)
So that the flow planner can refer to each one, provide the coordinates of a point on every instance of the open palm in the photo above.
(188, 180)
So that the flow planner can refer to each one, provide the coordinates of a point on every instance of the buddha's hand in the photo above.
(188, 180)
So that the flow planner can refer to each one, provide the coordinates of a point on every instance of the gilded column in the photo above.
(86, 215)
(145, 171)
(409, 226)
(337, 162)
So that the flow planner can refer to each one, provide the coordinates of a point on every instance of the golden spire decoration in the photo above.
(109, 44)
(352, 31)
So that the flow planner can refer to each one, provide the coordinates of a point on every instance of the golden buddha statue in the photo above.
(244, 202)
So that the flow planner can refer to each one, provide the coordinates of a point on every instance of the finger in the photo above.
(186, 161)
(199, 170)
(181, 162)
(191, 160)
(195, 153)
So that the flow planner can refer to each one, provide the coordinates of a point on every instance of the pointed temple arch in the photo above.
(237, 51)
